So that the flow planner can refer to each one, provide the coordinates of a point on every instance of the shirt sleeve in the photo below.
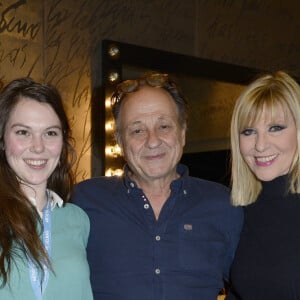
(82, 219)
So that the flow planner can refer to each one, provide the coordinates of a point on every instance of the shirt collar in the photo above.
(54, 198)
(180, 182)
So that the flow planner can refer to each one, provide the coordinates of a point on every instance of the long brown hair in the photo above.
(20, 223)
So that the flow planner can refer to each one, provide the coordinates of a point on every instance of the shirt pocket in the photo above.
(202, 247)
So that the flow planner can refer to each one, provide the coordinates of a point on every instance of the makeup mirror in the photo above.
(211, 88)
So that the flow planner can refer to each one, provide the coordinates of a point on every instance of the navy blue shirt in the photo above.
(185, 254)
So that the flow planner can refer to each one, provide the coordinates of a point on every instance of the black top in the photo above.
(267, 262)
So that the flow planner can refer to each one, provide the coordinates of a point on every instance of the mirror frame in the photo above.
(114, 55)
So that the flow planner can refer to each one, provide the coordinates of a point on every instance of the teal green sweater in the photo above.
(70, 230)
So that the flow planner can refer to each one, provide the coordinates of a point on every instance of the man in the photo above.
(156, 233)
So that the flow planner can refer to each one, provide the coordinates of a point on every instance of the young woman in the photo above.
(42, 239)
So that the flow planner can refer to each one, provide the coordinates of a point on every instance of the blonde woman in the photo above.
(265, 139)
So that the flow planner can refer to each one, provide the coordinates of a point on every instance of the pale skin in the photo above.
(269, 146)
(33, 143)
(152, 141)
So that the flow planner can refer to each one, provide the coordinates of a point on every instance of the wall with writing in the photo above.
(55, 41)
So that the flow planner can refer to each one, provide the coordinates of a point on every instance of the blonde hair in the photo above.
(270, 92)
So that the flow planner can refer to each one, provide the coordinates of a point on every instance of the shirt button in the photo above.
(157, 238)
(132, 184)
(146, 206)
(157, 271)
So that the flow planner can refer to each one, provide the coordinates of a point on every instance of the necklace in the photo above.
(39, 284)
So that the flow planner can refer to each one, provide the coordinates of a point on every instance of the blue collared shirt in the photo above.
(185, 254)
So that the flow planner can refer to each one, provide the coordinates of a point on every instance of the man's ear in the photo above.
(183, 135)
(2, 147)
(119, 142)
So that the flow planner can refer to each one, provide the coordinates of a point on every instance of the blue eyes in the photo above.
(274, 128)
(247, 132)
(277, 128)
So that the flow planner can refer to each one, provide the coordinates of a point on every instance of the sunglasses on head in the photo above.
(132, 85)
